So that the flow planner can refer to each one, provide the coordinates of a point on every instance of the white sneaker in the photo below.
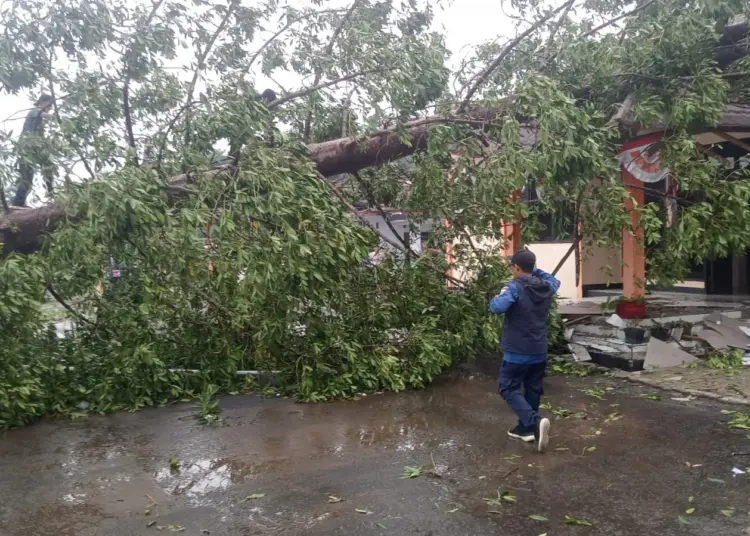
(527, 437)
(542, 434)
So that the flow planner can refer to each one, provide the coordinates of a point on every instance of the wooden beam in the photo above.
(742, 144)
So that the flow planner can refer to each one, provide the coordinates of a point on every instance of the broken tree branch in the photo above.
(202, 63)
(128, 116)
(606, 24)
(327, 53)
(62, 302)
(284, 28)
(24, 230)
(610, 22)
(396, 245)
(126, 85)
(572, 248)
(487, 72)
(306, 91)
(371, 199)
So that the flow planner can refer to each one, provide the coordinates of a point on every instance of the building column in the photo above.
(512, 231)
(633, 252)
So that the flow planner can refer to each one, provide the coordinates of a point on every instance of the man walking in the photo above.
(525, 301)
(32, 152)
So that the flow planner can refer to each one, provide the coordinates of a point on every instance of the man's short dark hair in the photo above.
(525, 260)
(44, 99)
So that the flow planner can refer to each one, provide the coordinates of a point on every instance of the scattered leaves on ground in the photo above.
(652, 397)
(692, 465)
(562, 413)
(612, 417)
(729, 512)
(253, 496)
(361, 510)
(412, 471)
(682, 520)
(174, 464)
(740, 419)
(729, 362)
(717, 480)
(595, 392)
(570, 520)
(690, 510)
(507, 497)
(537, 517)
(561, 366)
(504, 496)
(333, 499)
(690, 499)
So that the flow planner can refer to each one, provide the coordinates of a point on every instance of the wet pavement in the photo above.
(99, 475)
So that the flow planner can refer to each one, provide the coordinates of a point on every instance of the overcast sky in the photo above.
(464, 23)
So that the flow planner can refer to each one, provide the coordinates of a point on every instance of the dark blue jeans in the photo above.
(526, 404)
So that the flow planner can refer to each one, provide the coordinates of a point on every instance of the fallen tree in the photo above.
(256, 265)
(23, 229)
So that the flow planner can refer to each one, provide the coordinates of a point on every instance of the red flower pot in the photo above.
(629, 310)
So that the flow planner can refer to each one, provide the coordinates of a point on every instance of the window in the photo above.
(555, 224)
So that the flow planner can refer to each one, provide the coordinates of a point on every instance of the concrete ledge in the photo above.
(639, 378)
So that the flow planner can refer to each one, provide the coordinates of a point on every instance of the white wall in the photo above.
(601, 265)
(377, 222)
(548, 254)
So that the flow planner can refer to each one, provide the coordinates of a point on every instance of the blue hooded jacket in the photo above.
(525, 302)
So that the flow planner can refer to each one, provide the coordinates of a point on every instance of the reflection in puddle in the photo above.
(74, 498)
(198, 477)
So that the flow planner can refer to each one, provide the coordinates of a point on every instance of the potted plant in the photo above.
(634, 334)
(630, 308)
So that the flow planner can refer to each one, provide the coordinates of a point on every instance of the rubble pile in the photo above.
(595, 334)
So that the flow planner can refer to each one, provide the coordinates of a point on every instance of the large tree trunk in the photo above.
(23, 230)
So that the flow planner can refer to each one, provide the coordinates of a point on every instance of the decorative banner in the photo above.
(643, 162)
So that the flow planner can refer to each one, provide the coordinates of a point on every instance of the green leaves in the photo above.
(569, 520)
(260, 268)
(502, 497)
(740, 420)
(253, 497)
(412, 472)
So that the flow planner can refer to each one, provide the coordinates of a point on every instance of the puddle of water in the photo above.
(199, 477)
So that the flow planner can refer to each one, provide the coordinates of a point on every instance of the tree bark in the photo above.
(22, 230)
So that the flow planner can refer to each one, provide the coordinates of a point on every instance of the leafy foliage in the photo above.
(262, 266)
(729, 362)
(740, 420)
